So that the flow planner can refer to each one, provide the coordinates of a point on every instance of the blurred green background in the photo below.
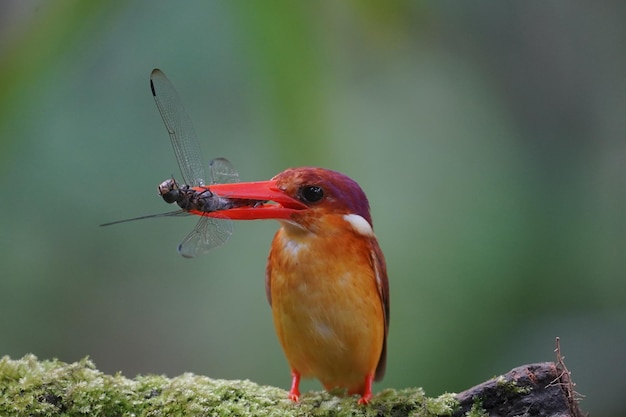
(489, 137)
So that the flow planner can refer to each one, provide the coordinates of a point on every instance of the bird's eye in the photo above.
(311, 193)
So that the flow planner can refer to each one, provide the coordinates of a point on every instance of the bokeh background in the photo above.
(489, 137)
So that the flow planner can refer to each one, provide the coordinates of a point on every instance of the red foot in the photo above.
(294, 392)
(367, 390)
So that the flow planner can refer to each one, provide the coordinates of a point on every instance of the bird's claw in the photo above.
(367, 391)
(365, 399)
(294, 396)
(294, 392)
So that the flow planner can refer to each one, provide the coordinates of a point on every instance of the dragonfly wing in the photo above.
(179, 126)
(222, 172)
(208, 234)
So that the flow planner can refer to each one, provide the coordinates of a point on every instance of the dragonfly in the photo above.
(195, 195)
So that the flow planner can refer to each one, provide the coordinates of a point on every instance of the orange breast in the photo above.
(326, 307)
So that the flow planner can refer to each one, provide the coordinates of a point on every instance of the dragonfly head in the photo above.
(169, 190)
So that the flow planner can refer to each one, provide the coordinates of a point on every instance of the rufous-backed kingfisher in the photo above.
(326, 278)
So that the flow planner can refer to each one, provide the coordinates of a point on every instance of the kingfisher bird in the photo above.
(326, 277)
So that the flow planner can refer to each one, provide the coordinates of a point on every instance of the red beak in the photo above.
(273, 202)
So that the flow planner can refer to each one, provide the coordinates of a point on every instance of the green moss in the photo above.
(510, 386)
(477, 410)
(29, 387)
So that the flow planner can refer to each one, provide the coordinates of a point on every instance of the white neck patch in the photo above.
(359, 224)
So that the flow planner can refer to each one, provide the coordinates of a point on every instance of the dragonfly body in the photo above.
(193, 199)
(200, 200)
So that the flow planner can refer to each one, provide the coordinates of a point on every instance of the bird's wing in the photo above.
(382, 283)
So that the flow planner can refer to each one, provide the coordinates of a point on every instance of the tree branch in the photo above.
(540, 389)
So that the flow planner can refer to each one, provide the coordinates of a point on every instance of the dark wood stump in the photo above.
(540, 389)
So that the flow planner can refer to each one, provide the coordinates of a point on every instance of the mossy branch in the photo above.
(29, 387)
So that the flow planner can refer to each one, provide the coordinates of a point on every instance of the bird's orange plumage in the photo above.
(327, 285)
(326, 277)
(327, 312)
